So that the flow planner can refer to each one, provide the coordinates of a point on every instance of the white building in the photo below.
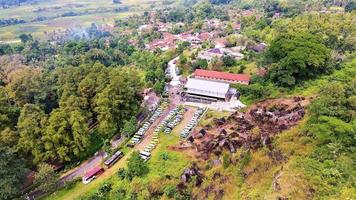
(205, 90)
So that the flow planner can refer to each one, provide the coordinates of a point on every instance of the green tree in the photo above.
(119, 100)
(136, 166)
(182, 59)
(150, 76)
(8, 112)
(297, 57)
(12, 172)
(46, 178)
(228, 60)
(31, 126)
(129, 126)
(25, 37)
(158, 87)
(200, 64)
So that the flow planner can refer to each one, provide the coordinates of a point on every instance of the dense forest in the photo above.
(61, 100)
(57, 110)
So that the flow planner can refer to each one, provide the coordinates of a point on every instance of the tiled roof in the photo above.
(222, 75)
(216, 51)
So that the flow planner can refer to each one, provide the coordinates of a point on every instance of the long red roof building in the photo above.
(222, 76)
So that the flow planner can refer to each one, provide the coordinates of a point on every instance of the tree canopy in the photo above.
(297, 57)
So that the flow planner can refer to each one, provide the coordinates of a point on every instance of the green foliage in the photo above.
(129, 126)
(200, 64)
(228, 60)
(182, 46)
(8, 112)
(158, 87)
(46, 178)
(136, 165)
(331, 166)
(226, 160)
(351, 6)
(25, 37)
(117, 101)
(170, 191)
(241, 69)
(121, 173)
(31, 126)
(198, 12)
(12, 172)
(296, 58)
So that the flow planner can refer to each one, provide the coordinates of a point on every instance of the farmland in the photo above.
(57, 15)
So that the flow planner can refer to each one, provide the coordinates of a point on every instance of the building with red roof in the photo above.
(222, 76)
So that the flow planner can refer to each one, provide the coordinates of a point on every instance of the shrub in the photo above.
(170, 191)
(121, 173)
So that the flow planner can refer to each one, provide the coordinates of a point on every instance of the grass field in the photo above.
(89, 11)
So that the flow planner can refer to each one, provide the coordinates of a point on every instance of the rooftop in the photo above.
(215, 50)
(207, 88)
(222, 75)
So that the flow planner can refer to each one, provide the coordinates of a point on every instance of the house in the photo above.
(206, 90)
(220, 42)
(210, 54)
(188, 37)
(163, 27)
(216, 33)
(259, 48)
(145, 28)
(204, 36)
(222, 76)
(167, 42)
(213, 24)
(217, 53)
(234, 52)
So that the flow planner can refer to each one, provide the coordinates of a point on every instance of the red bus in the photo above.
(92, 174)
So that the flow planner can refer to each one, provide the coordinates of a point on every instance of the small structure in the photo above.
(222, 76)
(210, 54)
(259, 48)
(220, 42)
(206, 91)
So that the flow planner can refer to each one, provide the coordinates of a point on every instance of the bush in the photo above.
(136, 165)
(105, 188)
(170, 191)
(70, 184)
(226, 160)
(121, 173)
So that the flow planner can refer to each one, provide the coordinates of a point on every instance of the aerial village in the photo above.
(172, 105)
(187, 97)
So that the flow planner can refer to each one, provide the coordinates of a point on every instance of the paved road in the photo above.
(84, 167)
(173, 72)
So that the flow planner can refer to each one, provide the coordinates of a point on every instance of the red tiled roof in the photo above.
(204, 36)
(222, 75)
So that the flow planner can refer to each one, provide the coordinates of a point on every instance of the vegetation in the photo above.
(63, 97)
(46, 178)
(295, 58)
